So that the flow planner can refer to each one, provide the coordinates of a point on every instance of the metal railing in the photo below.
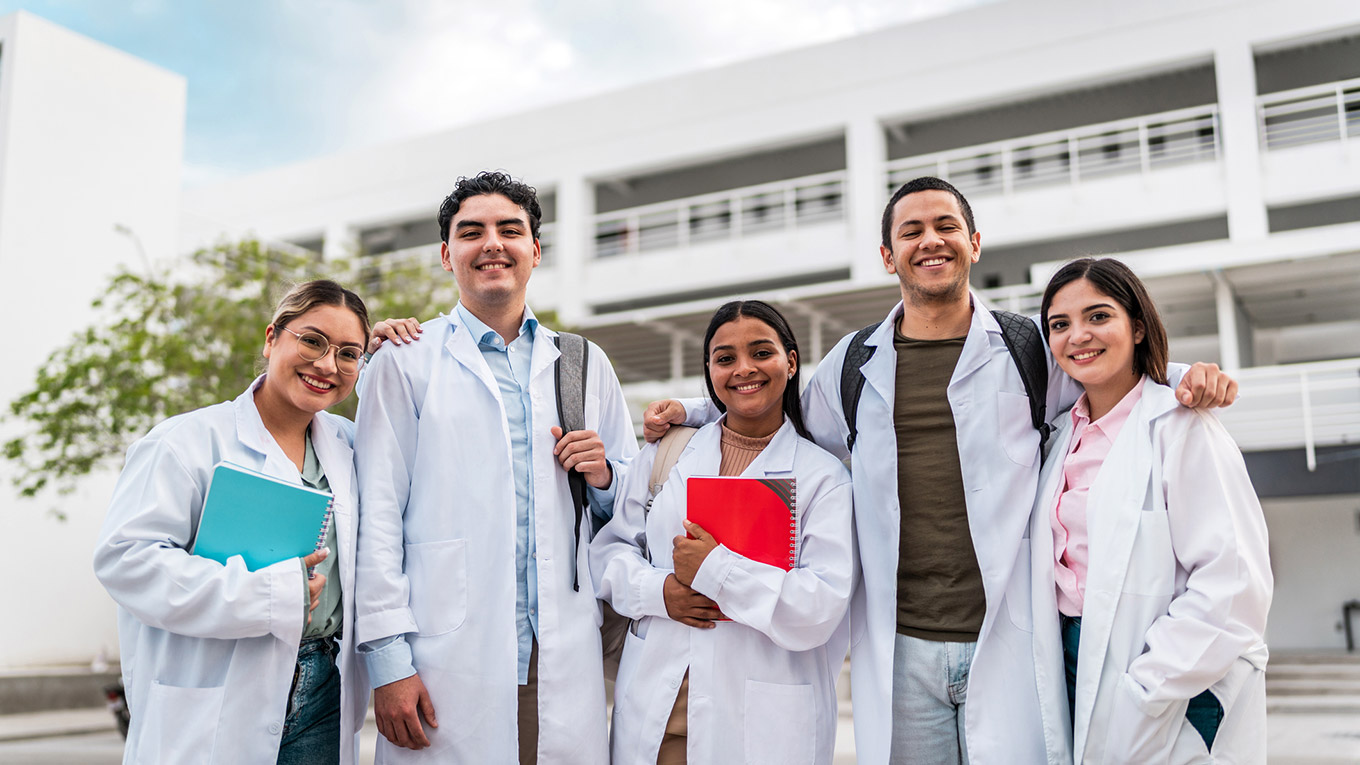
(1126, 147)
(1313, 404)
(1314, 114)
(731, 214)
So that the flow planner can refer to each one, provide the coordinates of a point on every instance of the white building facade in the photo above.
(91, 141)
(1214, 145)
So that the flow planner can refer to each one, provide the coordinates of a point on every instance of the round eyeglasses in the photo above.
(313, 346)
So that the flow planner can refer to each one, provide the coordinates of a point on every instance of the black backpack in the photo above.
(1023, 340)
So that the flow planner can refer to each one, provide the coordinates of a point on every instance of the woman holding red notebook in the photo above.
(741, 654)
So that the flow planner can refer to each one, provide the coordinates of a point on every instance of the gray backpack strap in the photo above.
(569, 377)
(852, 380)
(1026, 345)
(668, 451)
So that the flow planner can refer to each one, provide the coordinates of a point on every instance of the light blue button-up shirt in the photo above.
(510, 366)
(389, 659)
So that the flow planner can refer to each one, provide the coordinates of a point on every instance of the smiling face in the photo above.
(491, 251)
(311, 386)
(1093, 338)
(749, 370)
(931, 251)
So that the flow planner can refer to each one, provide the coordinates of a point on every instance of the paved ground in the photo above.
(87, 737)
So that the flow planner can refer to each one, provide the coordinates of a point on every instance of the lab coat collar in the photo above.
(331, 445)
(464, 336)
(984, 337)
(775, 458)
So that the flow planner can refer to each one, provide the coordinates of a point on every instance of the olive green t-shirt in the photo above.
(939, 584)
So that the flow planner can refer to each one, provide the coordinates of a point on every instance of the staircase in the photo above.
(1313, 683)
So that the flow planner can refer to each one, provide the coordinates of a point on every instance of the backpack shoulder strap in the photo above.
(668, 451)
(852, 380)
(1026, 346)
(569, 378)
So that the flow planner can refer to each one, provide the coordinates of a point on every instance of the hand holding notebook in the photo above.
(259, 517)
(753, 517)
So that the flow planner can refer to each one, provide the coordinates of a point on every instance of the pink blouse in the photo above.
(1091, 442)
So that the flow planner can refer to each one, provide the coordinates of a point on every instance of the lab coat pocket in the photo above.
(179, 724)
(1152, 562)
(1015, 428)
(633, 646)
(437, 572)
(1133, 735)
(781, 724)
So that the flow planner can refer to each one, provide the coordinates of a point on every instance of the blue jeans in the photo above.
(311, 732)
(930, 692)
(1205, 712)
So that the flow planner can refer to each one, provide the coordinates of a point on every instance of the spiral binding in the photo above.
(793, 524)
(321, 535)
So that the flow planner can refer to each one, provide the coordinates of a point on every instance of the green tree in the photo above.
(164, 343)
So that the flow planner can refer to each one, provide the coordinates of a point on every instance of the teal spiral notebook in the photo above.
(261, 518)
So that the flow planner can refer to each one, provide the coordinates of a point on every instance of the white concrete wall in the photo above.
(1003, 52)
(90, 138)
(1315, 554)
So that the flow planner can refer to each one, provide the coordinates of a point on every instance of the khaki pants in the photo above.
(528, 712)
(677, 729)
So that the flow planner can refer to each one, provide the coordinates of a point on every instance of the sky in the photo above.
(278, 81)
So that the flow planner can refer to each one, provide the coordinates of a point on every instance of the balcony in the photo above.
(1128, 147)
(1293, 405)
(1310, 140)
(721, 217)
(1123, 175)
(1318, 114)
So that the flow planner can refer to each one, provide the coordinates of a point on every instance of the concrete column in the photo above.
(1235, 333)
(677, 357)
(866, 154)
(1235, 71)
(341, 240)
(571, 247)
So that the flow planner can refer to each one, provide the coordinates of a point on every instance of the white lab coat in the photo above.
(999, 456)
(437, 545)
(208, 650)
(1176, 595)
(762, 687)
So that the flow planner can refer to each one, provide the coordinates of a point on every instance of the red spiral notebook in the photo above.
(755, 517)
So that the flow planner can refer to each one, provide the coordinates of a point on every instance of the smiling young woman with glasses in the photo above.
(222, 663)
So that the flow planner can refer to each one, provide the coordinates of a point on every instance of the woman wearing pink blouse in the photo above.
(1149, 546)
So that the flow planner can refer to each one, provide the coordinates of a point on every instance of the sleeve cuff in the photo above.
(651, 593)
(708, 580)
(388, 660)
(602, 500)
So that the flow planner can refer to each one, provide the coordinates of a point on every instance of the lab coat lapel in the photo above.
(776, 459)
(983, 335)
(252, 434)
(1115, 505)
(335, 455)
(880, 371)
(709, 453)
(463, 347)
(545, 355)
